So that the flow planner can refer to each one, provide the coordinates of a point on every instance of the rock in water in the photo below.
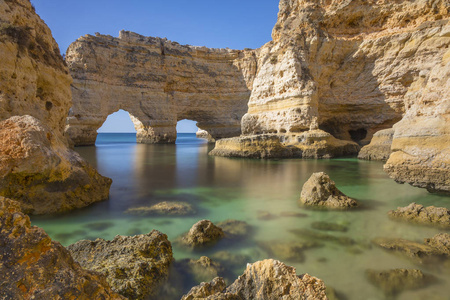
(135, 267)
(235, 229)
(320, 190)
(395, 281)
(202, 233)
(268, 279)
(163, 208)
(440, 243)
(431, 215)
(379, 147)
(32, 266)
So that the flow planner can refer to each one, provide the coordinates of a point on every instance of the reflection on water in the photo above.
(222, 188)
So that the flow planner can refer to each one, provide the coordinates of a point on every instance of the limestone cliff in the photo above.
(158, 82)
(37, 168)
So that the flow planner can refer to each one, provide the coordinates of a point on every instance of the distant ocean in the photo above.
(130, 138)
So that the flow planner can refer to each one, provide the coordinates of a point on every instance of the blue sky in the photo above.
(235, 24)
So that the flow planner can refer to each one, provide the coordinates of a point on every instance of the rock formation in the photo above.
(134, 266)
(431, 215)
(202, 233)
(173, 208)
(158, 82)
(267, 279)
(320, 190)
(32, 266)
(379, 147)
(36, 166)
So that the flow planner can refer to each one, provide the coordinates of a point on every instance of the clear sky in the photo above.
(236, 24)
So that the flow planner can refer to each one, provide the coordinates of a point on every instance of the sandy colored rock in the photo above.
(135, 266)
(416, 213)
(163, 208)
(38, 170)
(202, 233)
(394, 281)
(203, 134)
(379, 147)
(440, 243)
(32, 266)
(319, 190)
(268, 279)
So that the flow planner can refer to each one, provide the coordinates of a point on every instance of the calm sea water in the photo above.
(224, 188)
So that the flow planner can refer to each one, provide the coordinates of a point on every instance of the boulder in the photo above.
(394, 281)
(163, 208)
(202, 233)
(268, 279)
(135, 267)
(416, 213)
(379, 147)
(320, 191)
(32, 266)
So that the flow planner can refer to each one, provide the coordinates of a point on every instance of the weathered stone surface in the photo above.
(440, 243)
(163, 208)
(158, 82)
(32, 266)
(268, 279)
(431, 215)
(135, 267)
(379, 147)
(234, 229)
(203, 134)
(320, 190)
(202, 233)
(394, 281)
(38, 170)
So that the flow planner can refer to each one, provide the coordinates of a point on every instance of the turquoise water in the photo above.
(223, 188)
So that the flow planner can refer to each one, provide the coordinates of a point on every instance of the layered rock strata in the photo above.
(36, 166)
(135, 266)
(32, 266)
(416, 213)
(158, 82)
(379, 147)
(267, 279)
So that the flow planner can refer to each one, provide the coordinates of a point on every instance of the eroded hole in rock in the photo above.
(358, 134)
(48, 105)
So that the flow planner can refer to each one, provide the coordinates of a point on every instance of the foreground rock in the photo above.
(309, 144)
(135, 267)
(32, 266)
(163, 208)
(431, 215)
(379, 147)
(320, 191)
(267, 279)
(202, 233)
(394, 281)
(45, 176)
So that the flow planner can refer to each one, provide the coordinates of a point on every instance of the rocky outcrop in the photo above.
(175, 208)
(135, 266)
(158, 82)
(38, 170)
(431, 215)
(36, 166)
(267, 279)
(394, 281)
(320, 191)
(203, 134)
(379, 147)
(32, 266)
(202, 233)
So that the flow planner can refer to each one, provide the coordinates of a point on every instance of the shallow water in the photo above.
(224, 188)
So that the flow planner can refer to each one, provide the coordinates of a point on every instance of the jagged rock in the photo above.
(379, 147)
(394, 281)
(32, 266)
(320, 190)
(163, 208)
(39, 170)
(268, 279)
(288, 250)
(135, 267)
(234, 229)
(202, 233)
(438, 216)
(440, 243)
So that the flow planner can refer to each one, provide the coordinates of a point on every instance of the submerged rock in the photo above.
(326, 226)
(288, 250)
(320, 190)
(163, 208)
(202, 233)
(394, 281)
(234, 229)
(379, 147)
(267, 279)
(265, 215)
(439, 216)
(32, 266)
(322, 236)
(201, 270)
(135, 267)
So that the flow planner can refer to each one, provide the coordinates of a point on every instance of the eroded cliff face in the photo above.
(158, 82)
(37, 167)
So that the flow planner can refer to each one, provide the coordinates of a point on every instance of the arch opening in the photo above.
(187, 130)
(118, 127)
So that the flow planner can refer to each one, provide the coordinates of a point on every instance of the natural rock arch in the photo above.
(159, 83)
